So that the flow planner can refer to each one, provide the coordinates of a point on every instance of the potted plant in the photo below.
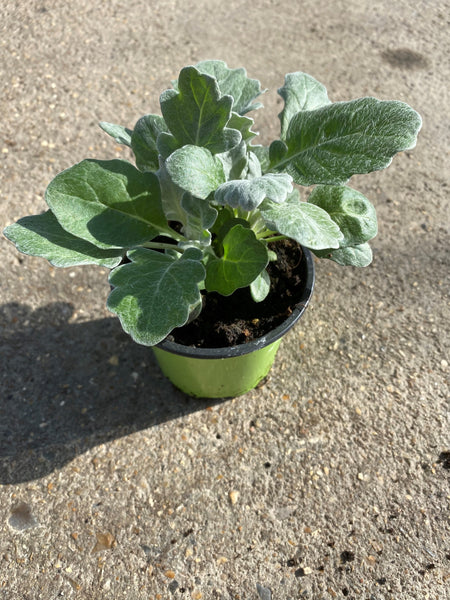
(205, 219)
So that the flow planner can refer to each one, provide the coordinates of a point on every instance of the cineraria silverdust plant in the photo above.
(198, 211)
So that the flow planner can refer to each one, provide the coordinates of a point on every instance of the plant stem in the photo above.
(275, 238)
(161, 246)
(174, 235)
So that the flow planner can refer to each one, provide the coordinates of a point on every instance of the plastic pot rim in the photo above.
(271, 337)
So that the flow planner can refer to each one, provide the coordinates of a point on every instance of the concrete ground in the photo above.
(331, 481)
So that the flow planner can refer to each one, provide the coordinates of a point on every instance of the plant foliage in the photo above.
(198, 211)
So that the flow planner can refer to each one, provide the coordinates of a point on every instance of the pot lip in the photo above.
(260, 343)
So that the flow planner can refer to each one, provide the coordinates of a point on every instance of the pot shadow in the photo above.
(66, 387)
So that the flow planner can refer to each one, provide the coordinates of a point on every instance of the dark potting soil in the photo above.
(237, 319)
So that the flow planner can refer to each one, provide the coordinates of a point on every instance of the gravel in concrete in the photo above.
(330, 481)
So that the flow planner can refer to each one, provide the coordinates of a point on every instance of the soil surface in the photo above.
(331, 482)
(238, 319)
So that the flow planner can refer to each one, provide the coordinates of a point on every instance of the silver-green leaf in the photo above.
(249, 193)
(244, 125)
(235, 83)
(107, 203)
(300, 92)
(330, 144)
(200, 217)
(143, 141)
(354, 214)
(142, 288)
(197, 113)
(235, 162)
(122, 135)
(262, 155)
(195, 170)
(305, 223)
(355, 256)
(42, 235)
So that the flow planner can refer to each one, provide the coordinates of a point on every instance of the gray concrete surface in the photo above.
(329, 482)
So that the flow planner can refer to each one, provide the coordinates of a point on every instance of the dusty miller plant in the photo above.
(197, 212)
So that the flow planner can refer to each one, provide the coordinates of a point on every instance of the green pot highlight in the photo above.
(217, 377)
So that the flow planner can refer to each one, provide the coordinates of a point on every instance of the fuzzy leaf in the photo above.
(331, 143)
(300, 92)
(249, 193)
(200, 216)
(143, 141)
(242, 124)
(197, 114)
(233, 82)
(254, 168)
(122, 135)
(260, 287)
(262, 154)
(107, 203)
(235, 161)
(244, 257)
(350, 210)
(277, 151)
(166, 144)
(195, 170)
(143, 287)
(307, 224)
(355, 256)
(171, 196)
(42, 235)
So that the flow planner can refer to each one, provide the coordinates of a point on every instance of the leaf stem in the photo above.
(161, 246)
(275, 238)
(266, 233)
(176, 236)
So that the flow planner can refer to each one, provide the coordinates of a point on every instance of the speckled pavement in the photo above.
(331, 480)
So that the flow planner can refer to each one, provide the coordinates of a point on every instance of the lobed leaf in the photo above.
(107, 203)
(354, 214)
(330, 144)
(243, 125)
(244, 257)
(249, 193)
(42, 235)
(305, 223)
(235, 83)
(300, 92)
(143, 287)
(197, 113)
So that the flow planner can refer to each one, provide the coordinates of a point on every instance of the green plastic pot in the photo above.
(234, 370)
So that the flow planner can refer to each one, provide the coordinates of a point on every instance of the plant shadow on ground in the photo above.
(66, 387)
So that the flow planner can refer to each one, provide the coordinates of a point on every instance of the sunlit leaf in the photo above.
(155, 292)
